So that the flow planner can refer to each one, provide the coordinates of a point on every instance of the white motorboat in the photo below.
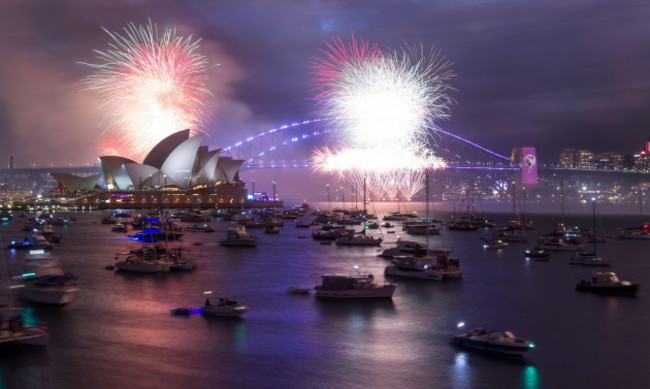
(346, 287)
(238, 237)
(13, 330)
(493, 341)
(413, 248)
(225, 307)
(607, 283)
(494, 244)
(589, 259)
(44, 282)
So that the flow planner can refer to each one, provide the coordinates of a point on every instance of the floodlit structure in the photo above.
(178, 162)
(74, 184)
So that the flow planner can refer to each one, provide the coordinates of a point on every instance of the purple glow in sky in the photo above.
(549, 74)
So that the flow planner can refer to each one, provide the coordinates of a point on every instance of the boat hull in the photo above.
(384, 291)
(28, 335)
(621, 290)
(397, 271)
(48, 295)
(491, 347)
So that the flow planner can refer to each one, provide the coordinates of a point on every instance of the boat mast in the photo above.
(364, 196)
(593, 222)
(562, 199)
(426, 221)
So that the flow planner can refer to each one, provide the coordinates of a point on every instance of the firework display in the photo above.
(153, 84)
(383, 105)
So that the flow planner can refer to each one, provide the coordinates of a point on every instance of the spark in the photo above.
(152, 83)
(385, 106)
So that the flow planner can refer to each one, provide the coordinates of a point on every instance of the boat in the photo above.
(44, 282)
(181, 311)
(422, 229)
(225, 307)
(36, 242)
(425, 268)
(463, 225)
(640, 232)
(302, 225)
(13, 330)
(358, 240)
(120, 227)
(494, 244)
(298, 290)
(399, 217)
(347, 287)
(538, 255)
(607, 283)
(589, 259)
(510, 235)
(238, 237)
(154, 234)
(197, 228)
(558, 243)
(135, 263)
(271, 229)
(494, 342)
(405, 247)
(387, 225)
(372, 225)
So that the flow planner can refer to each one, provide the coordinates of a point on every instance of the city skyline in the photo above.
(550, 75)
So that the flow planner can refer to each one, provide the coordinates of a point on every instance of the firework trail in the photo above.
(153, 85)
(382, 104)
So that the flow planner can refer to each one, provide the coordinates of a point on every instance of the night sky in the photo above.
(551, 74)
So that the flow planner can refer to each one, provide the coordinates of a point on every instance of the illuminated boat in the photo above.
(494, 244)
(44, 282)
(346, 287)
(425, 268)
(36, 242)
(225, 307)
(558, 243)
(405, 247)
(238, 237)
(494, 342)
(607, 283)
(538, 255)
(641, 232)
(13, 330)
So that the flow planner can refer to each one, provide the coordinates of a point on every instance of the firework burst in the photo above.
(153, 85)
(383, 105)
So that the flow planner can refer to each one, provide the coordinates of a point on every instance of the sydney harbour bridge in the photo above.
(289, 147)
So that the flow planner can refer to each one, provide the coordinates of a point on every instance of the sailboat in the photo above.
(590, 259)
(428, 267)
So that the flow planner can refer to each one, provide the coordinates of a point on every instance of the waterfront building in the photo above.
(177, 172)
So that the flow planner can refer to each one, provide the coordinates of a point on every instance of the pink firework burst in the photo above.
(153, 84)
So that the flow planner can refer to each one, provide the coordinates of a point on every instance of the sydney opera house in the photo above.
(177, 172)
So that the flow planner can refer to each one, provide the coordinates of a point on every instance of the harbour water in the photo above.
(119, 333)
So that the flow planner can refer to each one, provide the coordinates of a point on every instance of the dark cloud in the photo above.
(550, 74)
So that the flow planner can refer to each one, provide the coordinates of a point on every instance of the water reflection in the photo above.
(530, 378)
(460, 371)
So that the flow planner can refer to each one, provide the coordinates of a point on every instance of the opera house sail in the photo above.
(176, 172)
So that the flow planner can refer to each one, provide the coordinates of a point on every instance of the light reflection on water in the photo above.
(122, 322)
